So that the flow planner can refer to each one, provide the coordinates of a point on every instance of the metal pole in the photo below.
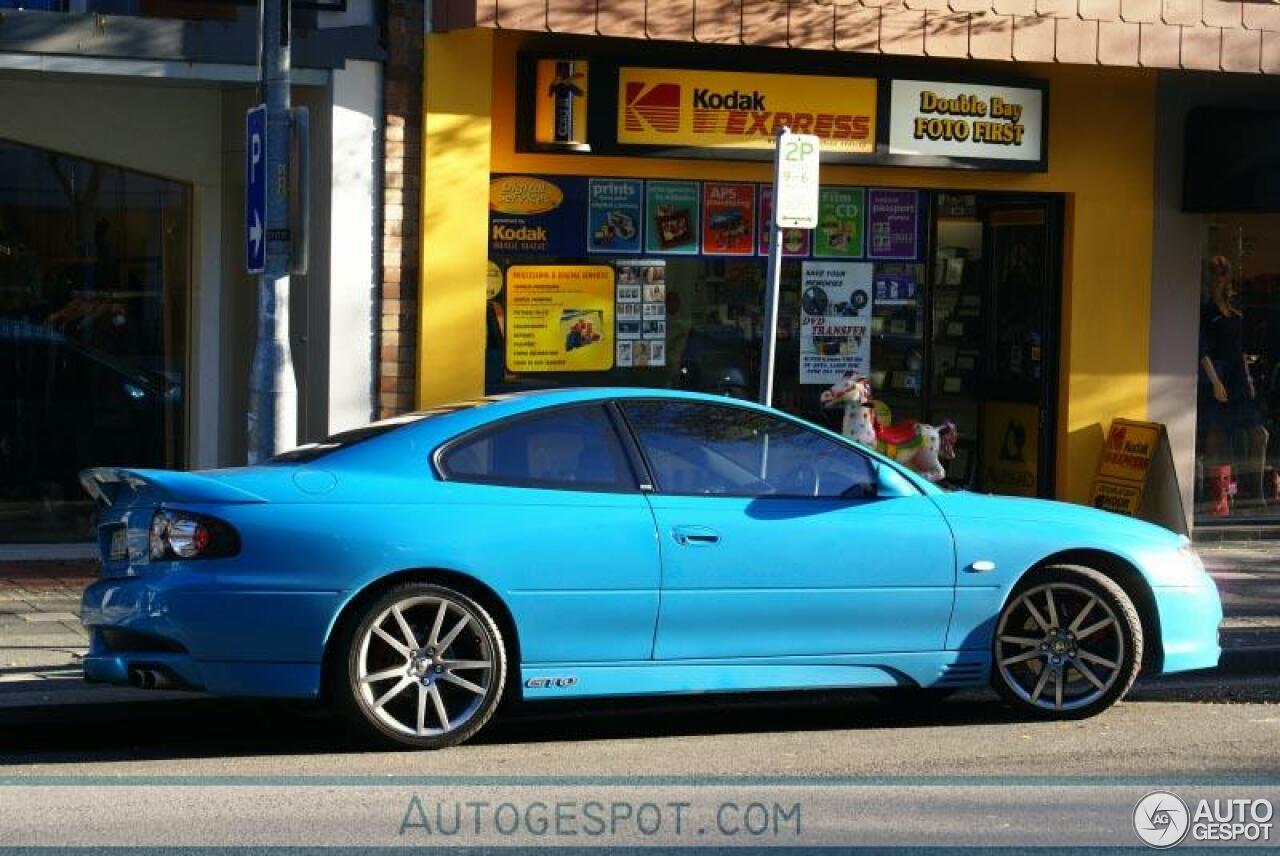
(773, 280)
(273, 394)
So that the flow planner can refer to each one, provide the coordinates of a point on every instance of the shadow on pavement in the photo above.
(200, 726)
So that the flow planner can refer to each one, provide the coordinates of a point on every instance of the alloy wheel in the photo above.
(1060, 647)
(425, 666)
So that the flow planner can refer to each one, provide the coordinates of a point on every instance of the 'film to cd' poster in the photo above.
(835, 320)
(560, 318)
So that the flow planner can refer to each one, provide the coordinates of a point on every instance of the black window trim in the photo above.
(441, 472)
(656, 486)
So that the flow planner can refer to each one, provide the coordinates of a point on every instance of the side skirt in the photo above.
(664, 677)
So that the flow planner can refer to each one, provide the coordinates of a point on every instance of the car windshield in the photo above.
(345, 439)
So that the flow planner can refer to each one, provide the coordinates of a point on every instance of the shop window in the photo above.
(570, 448)
(94, 273)
(1238, 368)
(946, 302)
(706, 450)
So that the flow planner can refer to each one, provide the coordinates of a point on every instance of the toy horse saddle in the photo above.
(900, 434)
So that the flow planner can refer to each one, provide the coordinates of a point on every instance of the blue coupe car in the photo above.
(611, 542)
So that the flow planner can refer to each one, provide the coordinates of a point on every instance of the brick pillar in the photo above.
(401, 220)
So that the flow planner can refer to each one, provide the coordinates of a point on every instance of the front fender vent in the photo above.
(963, 673)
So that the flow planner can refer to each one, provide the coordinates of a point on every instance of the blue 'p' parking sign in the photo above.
(255, 189)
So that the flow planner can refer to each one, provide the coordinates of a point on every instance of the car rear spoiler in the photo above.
(111, 486)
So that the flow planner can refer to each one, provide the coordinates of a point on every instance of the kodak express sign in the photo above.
(737, 110)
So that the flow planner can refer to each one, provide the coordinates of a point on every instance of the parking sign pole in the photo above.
(773, 281)
(273, 394)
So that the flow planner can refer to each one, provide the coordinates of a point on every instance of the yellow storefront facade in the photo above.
(1090, 203)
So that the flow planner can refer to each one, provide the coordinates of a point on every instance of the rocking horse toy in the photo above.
(921, 447)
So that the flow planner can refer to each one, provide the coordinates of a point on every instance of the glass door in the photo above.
(993, 324)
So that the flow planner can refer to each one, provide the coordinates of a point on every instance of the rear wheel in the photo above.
(1068, 644)
(424, 666)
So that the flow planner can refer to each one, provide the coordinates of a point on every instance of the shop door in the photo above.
(1019, 390)
(995, 323)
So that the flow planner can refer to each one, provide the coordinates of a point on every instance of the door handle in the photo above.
(695, 536)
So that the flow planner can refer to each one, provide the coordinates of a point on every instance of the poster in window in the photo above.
(560, 318)
(671, 217)
(835, 320)
(841, 216)
(893, 224)
(795, 242)
(728, 218)
(643, 284)
(616, 215)
(533, 215)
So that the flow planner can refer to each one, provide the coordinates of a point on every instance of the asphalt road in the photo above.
(963, 771)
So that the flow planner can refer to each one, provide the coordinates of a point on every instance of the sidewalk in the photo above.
(41, 640)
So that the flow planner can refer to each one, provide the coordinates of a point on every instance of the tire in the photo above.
(392, 678)
(1068, 644)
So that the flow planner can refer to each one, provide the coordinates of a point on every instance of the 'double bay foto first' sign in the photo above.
(968, 121)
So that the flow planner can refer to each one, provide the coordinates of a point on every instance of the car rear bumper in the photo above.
(191, 633)
(1189, 621)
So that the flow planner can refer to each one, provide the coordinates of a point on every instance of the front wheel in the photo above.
(424, 667)
(1068, 644)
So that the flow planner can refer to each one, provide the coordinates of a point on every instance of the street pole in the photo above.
(273, 394)
(773, 283)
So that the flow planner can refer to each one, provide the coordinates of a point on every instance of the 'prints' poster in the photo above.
(728, 218)
(835, 320)
(616, 215)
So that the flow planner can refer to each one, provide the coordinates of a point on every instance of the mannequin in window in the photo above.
(1234, 431)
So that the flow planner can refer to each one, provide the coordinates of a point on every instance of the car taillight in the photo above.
(183, 535)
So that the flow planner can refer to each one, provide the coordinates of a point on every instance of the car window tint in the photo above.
(564, 448)
(732, 451)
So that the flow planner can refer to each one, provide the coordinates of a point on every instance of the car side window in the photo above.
(573, 448)
(716, 450)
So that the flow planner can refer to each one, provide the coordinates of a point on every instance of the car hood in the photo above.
(1062, 516)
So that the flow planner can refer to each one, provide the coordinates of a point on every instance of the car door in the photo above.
(777, 540)
(567, 536)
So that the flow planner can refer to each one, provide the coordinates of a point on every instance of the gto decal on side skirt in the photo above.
(551, 683)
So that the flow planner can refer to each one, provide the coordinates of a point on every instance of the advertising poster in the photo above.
(728, 218)
(616, 215)
(739, 109)
(840, 221)
(642, 312)
(1010, 448)
(893, 224)
(537, 215)
(560, 318)
(671, 218)
(795, 242)
(835, 320)
(895, 289)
